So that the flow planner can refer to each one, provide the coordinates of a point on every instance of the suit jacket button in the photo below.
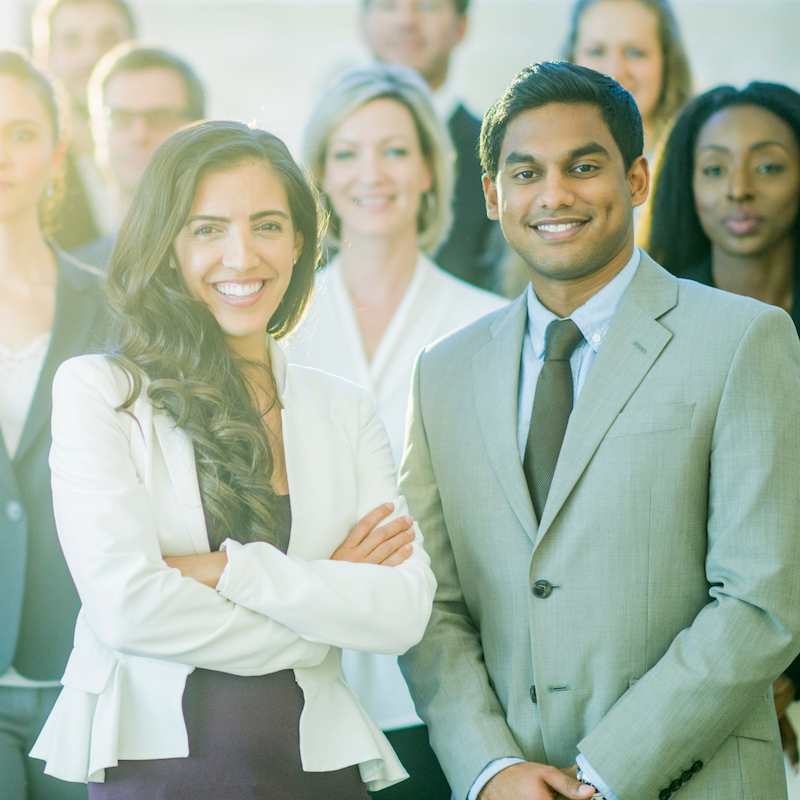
(533, 694)
(688, 775)
(14, 511)
(542, 589)
(665, 794)
(676, 784)
(697, 766)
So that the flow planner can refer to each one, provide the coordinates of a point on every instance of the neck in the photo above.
(768, 277)
(24, 254)
(250, 348)
(651, 131)
(562, 297)
(81, 142)
(377, 269)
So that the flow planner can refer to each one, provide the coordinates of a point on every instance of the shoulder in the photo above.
(473, 301)
(82, 275)
(329, 393)
(462, 123)
(92, 376)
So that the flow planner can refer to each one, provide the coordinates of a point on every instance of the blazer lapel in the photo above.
(631, 346)
(77, 304)
(7, 477)
(495, 377)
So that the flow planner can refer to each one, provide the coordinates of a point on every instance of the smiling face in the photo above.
(375, 172)
(564, 198)
(419, 34)
(747, 180)
(620, 38)
(81, 33)
(29, 156)
(237, 249)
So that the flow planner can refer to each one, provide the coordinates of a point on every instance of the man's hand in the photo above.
(205, 568)
(783, 691)
(532, 781)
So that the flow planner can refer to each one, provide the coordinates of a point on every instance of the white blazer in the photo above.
(126, 494)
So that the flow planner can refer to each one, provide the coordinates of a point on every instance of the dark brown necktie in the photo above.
(552, 405)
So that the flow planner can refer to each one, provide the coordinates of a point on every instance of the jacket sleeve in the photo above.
(357, 606)
(467, 723)
(717, 672)
(108, 528)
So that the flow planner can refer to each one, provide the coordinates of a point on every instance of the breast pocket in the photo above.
(651, 420)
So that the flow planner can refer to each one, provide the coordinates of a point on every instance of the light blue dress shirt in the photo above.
(593, 319)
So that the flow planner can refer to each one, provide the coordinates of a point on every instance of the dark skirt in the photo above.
(244, 743)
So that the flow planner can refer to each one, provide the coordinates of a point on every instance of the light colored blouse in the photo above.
(329, 339)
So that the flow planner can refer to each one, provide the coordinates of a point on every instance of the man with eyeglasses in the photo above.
(138, 97)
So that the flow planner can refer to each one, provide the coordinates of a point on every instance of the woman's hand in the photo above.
(388, 545)
(205, 568)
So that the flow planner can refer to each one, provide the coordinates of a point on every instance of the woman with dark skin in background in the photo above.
(725, 211)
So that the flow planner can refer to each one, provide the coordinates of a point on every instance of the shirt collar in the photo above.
(593, 317)
(445, 100)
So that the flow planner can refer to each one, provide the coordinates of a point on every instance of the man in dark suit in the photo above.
(423, 36)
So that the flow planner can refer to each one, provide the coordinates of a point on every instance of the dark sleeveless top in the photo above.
(244, 741)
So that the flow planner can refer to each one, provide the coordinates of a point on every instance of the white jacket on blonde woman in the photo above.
(126, 495)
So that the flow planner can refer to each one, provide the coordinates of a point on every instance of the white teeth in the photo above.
(372, 201)
(238, 290)
(558, 228)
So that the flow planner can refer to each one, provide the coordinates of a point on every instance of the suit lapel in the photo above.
(631, 346)
(77, 303)
(7, 477)
(495, 377)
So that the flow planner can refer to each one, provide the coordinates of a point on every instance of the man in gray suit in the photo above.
(606, 474)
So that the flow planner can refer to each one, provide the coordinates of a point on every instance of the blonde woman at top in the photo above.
(383, 162)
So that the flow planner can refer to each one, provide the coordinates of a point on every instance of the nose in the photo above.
(554, 192)
(617, 68)
(139, 130)
(739, 185)
(240, 253)
(371, 168)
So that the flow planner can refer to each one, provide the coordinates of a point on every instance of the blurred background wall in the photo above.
(267, 60)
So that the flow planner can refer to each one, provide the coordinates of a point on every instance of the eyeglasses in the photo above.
(157, 120)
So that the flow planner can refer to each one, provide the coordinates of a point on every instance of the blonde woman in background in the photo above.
(638, 43)
(383, 161)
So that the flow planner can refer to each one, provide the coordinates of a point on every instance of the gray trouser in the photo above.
(22, 715)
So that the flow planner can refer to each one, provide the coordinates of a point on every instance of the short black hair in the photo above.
(133, 57)
(462, 6)
(561, 82)
(676, 239)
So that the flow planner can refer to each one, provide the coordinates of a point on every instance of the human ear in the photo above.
(639, 181)
(490, 193)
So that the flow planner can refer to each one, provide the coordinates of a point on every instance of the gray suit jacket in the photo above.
(669, 538)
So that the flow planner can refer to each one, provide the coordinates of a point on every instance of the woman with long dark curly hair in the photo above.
(219, 509)
(725, 211)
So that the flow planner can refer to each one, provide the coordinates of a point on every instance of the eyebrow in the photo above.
(756, 146)
(589, 149)
(253, 217)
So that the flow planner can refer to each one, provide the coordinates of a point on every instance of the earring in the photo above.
(294, 263)
(50, 190)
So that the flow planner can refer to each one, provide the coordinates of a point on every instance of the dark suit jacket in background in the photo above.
(38, 601)
(475, 245)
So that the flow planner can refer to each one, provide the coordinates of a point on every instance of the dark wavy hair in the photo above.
(671, 231)
(160, 331)
(15, 64)
(676, 78)
(562, 82)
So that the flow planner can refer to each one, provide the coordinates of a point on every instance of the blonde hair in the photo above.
(354, 89)
(676, 76)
